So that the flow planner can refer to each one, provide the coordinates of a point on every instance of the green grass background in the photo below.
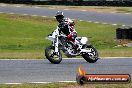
(67, 85)
(24, 36)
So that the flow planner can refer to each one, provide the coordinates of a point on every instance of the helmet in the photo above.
(59, 13)
(59, 16)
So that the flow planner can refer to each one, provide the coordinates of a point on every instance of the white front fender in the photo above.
(85, 50)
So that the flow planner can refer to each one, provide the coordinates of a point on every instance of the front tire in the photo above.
(90, 58)
(49, 53)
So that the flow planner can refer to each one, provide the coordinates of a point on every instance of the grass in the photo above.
(23, 32)
(24, 36)
(67, 85)
(124, 9)
(48, 85)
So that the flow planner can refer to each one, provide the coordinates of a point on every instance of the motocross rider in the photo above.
(66, 26)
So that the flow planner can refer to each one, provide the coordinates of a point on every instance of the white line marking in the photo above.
(1, 12)
(41, 82)
(40, 59)
(80, 20)
(116, 57)
(44, 16)
(25, 14)
(66, 9)
(114, 24)
(83, 10)
(66, 81)
(89, 21)
(18, 6)
(104, 23)
(69, 58)
(72, 58)
(11, 83)
(127, 13)
(53, 82)
(34, 15)
(122, 13)
(113, 12)
(36, 7)
(96, 22)
(123, 25)
(11, 13)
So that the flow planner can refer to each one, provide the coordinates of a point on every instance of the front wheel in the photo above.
(91, 57)
(51, 56)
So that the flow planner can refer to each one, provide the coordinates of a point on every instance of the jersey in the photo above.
(66, 26)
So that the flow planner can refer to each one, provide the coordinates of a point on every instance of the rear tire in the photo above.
(87, 57)
(51, 57)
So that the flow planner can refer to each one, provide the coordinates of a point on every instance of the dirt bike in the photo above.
(59, 42)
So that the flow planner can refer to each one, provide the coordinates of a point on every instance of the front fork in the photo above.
(88, 50)
(55, 44)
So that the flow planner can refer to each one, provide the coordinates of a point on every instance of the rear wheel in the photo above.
(91, 57)
(52, 56)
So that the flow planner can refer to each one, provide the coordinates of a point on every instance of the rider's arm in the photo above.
(62, 26)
